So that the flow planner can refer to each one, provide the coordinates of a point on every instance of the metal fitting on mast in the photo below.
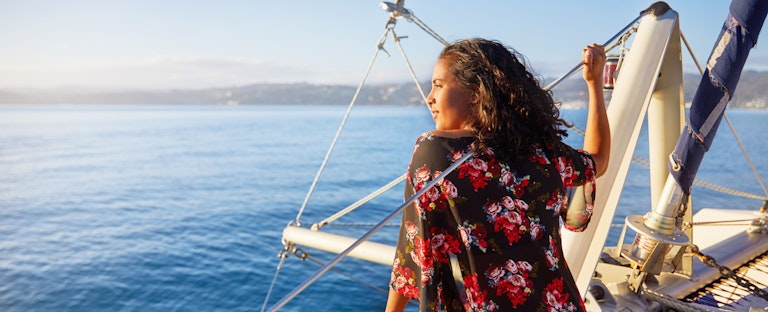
(659, 233)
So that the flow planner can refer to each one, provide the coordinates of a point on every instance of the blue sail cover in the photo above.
(717, 86)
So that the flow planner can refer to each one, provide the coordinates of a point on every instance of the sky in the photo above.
(186, 44)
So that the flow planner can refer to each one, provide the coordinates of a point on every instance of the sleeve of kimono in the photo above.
(577, 168)
(414, 266)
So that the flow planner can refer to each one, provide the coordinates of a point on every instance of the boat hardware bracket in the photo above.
(760, 223)
(299, 253)
(636, 280)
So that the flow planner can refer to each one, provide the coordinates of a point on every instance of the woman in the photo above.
(487, 237)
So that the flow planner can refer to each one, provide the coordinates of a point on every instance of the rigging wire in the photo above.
(622, 33)
(282, 255)
(410, 68)
(349, 276)
(426, 28)
(396, 10)
(358, 203)
(379, 48)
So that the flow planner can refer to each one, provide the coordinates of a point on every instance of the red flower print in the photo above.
(465, 235)
(443, 245)
(506, 177)
(555, 298)
(474, 170)
(473, 234)
(511, 280)
(493, 209)
(511, 266)
(515, 204)
(590, 171)
(513, 183)
(555, 203)
(567, 174)
(507, 202)
(456, 155)
(403, 282)
(539, 157)
(432, 199)
(419, 254)
(537, 231)
(551, 254)
(480, 235)
(520, 185)
(411, 229)
(423, 174)
(507, 216)
(525, 266)
(475, 300)
(449, 190)
(478, 164)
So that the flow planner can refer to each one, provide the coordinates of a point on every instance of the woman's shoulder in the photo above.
(440, 144)
(562, 148)
(448, 138)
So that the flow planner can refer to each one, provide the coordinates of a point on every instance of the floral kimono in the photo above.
(487, 237)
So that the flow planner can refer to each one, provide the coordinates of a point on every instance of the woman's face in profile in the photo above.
(449, 102)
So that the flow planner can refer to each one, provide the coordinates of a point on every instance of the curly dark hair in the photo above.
(514, 114)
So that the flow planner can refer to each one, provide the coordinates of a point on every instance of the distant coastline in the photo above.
(751, 94)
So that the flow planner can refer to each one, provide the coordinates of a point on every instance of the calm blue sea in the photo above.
(181, 208)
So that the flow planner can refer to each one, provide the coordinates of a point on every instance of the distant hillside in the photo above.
(751, 93)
